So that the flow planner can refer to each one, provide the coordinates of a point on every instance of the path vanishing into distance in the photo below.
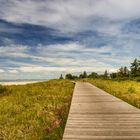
(96, 115)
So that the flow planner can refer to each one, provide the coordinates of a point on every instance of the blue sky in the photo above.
(42, 39)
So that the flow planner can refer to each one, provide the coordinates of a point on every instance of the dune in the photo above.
(18, 82)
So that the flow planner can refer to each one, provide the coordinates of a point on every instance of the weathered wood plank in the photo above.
(95, 114)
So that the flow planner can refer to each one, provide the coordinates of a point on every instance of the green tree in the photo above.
(126, 72)
(105, 74)
(61, 77)
(139, 68)
(69, 76)
(93, 75)
(83, 75)
(113, 75)
(135, 68)
(121, 72)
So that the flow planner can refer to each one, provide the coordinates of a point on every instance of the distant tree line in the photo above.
(122, 73)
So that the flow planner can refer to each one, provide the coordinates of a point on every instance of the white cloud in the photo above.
(62, 58)
(13, 49)
(13, 71)
(2, 71)
(104, 17)
(66, 15)
(41, 69)
(76, 47)
(71, 57)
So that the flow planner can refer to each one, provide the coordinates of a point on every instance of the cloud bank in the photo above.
(41, 39)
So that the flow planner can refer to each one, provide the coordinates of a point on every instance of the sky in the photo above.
(40, 39)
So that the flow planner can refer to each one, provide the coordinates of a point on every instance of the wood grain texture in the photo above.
(97, 115)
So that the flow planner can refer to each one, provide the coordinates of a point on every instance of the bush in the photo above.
(138, 79)
(131, 89)
(2, 89)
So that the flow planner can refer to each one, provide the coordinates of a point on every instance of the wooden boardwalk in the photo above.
(97, 115)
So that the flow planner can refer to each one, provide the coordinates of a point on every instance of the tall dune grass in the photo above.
(35, 111)
(127, 90)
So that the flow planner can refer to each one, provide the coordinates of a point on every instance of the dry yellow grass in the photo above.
(35, 111)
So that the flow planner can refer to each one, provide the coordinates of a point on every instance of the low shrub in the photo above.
(2, 89)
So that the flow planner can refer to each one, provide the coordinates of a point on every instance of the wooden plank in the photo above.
(95, 114)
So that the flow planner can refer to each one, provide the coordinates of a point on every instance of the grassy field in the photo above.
(128, 91)
(35, 111)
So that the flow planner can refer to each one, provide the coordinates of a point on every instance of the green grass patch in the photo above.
(127, 90)
(35, 111)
